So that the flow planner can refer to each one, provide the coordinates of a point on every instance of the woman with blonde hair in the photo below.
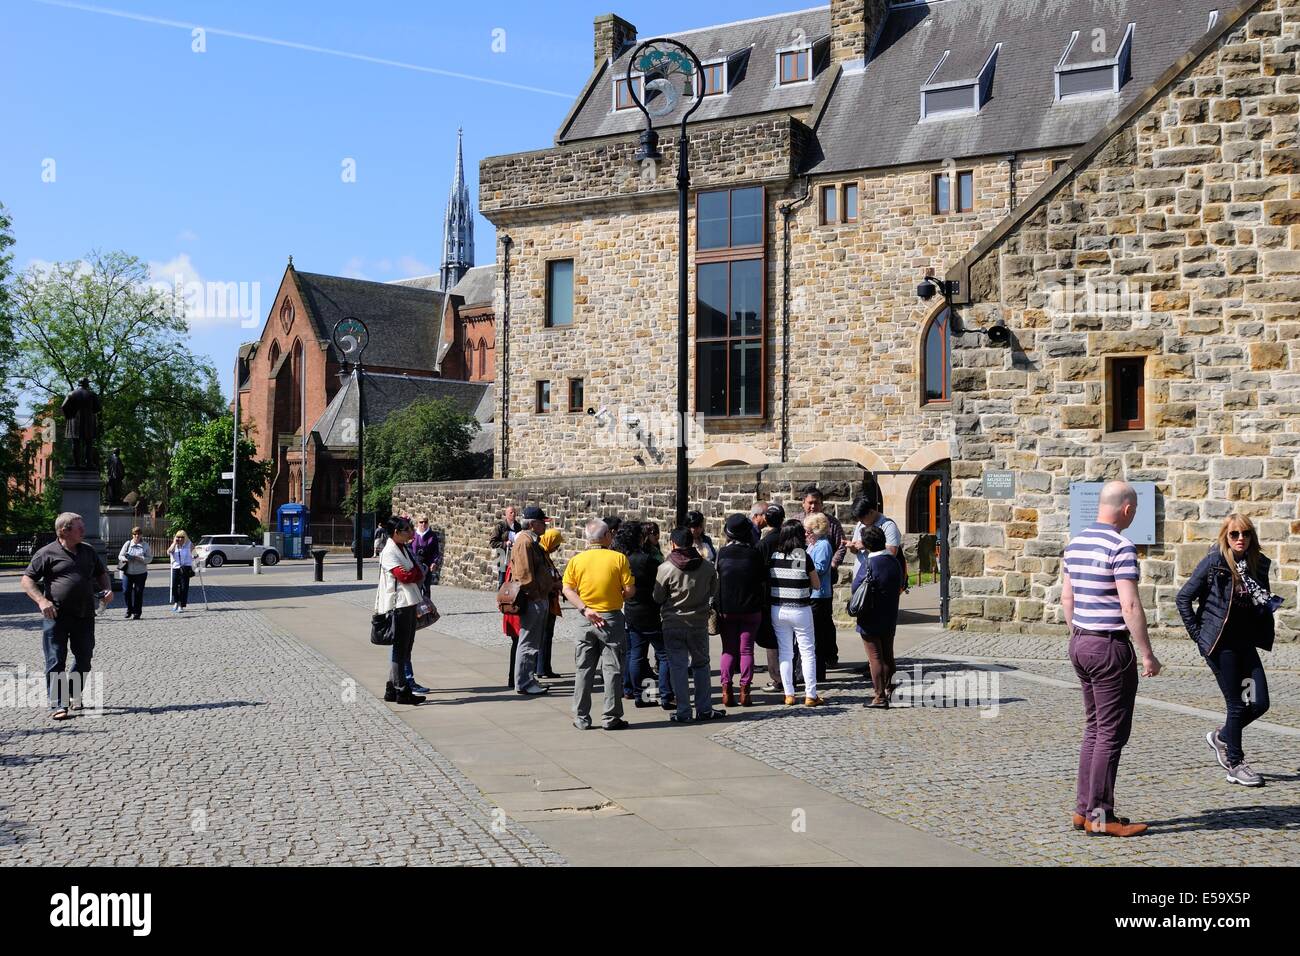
(1233, 617)
(182, 567)
(817, 527)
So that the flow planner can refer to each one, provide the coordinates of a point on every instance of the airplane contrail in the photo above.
(307, 47)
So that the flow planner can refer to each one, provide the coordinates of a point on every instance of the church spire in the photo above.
(458, 228)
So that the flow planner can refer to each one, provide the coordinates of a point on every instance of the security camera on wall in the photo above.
(601, 415)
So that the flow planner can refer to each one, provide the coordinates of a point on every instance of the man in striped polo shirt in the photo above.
(1100, 597)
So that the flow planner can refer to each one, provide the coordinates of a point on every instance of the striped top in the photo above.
(787, 577)
(1094, 561)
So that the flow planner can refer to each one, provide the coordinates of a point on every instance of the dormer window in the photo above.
(715, 78)
(795, 66)
(623, 92)
(1084, 70)
(952, 90)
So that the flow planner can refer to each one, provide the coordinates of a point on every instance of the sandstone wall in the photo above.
(466, 512)
(1195, 201)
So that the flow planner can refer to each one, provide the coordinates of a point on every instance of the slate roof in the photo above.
(386, 393)
(476, 286)
(871, 117)
(404, 321)
(750, 45)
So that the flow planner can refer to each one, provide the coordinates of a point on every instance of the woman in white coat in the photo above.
(399, 594)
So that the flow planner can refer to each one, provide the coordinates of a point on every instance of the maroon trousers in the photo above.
(1107, 669)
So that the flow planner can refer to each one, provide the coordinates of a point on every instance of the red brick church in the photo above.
(430, 337)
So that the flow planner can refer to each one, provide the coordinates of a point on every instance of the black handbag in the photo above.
(383, 628)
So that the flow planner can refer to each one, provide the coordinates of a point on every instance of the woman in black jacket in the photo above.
(644, 629)
(1233, 617)
(878, 622)
(742, 601)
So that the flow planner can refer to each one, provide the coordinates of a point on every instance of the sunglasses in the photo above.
(1234, 535)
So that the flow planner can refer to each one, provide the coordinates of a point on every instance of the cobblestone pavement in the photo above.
(1003, 784)
(225, 741)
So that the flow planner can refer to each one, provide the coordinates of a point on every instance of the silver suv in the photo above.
(214, 550)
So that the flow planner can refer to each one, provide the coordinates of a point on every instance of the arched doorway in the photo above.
(923, 499)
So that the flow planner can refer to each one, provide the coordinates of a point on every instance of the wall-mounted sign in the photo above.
(1084, 496)
(999, 484)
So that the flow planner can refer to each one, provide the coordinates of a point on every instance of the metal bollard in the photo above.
(257, 564)
(319, 555)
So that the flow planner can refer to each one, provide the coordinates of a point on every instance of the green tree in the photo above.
(426, 441)
(100, 319)
(196, 504)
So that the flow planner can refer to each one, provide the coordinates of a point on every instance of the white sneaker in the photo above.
(1219, 747)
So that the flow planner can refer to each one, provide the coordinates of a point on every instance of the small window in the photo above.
(576, 395)
(727, 218)
(559, 293)
(850, 211)
(830, 212)
(1054, 164)
(623, 94)
(543, 397)
(944, 203)
(1128, 394)
(794, 66)
(715, 79)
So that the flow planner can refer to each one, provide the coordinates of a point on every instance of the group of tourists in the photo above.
(769, 585)
(1228, 611)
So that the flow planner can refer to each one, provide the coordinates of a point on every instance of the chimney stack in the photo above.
(854, 25)
(613, 36)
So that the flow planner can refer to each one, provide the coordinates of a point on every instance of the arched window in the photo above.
(274, 355)
(295, 384)
(936, 361)
(482, 358)
(469, 359)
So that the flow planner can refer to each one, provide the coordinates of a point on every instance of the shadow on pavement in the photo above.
(181, 708)
(1256, 817)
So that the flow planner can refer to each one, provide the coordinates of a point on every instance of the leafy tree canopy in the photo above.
(426, 441)
(196, 504)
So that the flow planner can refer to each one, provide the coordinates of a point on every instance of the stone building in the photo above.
(839, 155)
(1151, 287)
(430, 337)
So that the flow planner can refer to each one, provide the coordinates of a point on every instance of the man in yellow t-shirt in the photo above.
(597, 582)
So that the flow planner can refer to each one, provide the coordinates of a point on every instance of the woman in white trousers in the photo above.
(792, 580)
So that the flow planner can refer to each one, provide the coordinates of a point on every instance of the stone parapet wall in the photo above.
(1189, 217)
(758, 149)
(466, 512)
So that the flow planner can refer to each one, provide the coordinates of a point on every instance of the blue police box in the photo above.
(293, 522)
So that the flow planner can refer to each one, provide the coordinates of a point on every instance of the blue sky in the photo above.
(216, 165)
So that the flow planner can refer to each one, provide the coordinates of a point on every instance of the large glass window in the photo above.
(730, 311)
(937, 363)
(559, 292)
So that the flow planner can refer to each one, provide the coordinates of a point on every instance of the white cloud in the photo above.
(355, 268)
(207, 302)
(410, 267)
(187, 235)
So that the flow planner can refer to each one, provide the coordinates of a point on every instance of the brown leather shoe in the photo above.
(1117, 829)
(726, 695)
(1080, 822)
(744, 697)
(790, 702)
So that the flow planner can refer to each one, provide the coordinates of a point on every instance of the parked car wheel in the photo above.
(216, 559)
(270, 558)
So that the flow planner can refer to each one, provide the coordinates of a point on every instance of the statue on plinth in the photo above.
(81, 414)
(116, 475)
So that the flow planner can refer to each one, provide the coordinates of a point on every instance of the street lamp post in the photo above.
(351, 337)
(669, 69)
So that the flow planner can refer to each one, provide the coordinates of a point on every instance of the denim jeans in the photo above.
(688, 658)
(404, 625)
(638, 664)
(532, 630)
(1237, 668)
(180, 587)
(56, 636)
(133, 593)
